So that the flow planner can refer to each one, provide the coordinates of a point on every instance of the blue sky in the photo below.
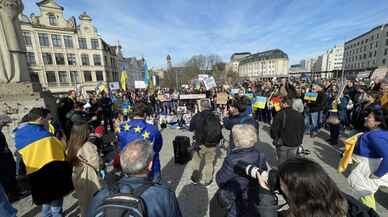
(182, 28)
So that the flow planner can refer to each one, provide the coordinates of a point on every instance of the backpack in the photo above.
(211, 130)
(124, 204)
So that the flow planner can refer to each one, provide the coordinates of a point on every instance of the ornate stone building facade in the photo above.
(62, 53)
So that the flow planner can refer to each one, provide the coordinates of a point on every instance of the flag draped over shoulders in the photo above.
(38, 147)
(43, 154)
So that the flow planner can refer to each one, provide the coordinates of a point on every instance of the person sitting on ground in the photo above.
(136, 163)
(241, 189)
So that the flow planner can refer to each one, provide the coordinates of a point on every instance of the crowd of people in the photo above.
(105, 147)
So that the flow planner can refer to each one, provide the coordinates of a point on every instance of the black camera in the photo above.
(246, 169)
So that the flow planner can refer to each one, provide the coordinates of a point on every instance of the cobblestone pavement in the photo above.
(194, 200)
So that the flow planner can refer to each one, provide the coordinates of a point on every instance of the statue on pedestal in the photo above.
(13, 65)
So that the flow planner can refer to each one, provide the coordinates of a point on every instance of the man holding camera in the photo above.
(237, 114)
(287, 131)
(207, 134)
(238, 194)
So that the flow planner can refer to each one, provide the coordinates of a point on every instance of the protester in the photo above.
(371, 155)
(316, 109)
(309, 191)
(207, 134)
(236, 191)
(43, 155)
(106, 103)
(7, 163)
(287, 131)
(237, 115)
(76, 115)
(137, 128)
(84, 158)
(136, 162)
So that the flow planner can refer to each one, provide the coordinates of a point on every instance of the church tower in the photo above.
(169, 62)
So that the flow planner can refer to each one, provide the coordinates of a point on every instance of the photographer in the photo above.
(237, 114)
(309, 191)
(237, 194)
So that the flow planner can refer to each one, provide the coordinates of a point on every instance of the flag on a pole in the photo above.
(146, 75)
(123, 78)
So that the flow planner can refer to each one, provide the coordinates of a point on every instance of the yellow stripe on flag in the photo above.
(37, 154)
(350, 143)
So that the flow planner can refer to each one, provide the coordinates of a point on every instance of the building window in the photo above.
(377, 44)
(31, 58)
(97, 59)
(43, 40)
(87, 76)
(85, 59)
(51, 78)
(47, 58)
(52, 20)
(71, 59)
(59, 59)
(74, 77)
(82, 43)
(386, 42)
(99, 76)
(385, 52)
(375, 53)
(384, 61)
(95, 44)
(68, 41)
(63, 77)
(57, 40)
(27, 39)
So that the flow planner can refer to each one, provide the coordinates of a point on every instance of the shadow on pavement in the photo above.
(172, 174)
(193, 201)
(327, 154)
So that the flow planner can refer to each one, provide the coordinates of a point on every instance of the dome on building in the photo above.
(85, 16)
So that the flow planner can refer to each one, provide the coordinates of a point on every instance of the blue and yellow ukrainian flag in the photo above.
(38, 147)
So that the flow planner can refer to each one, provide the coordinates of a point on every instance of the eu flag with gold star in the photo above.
(138, 129)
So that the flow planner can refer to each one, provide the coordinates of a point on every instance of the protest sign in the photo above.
(210, 83)
(202, 77)
(140, 85)
(114, 85)
(222, 99)
(260, 102)
(310, 96)
(192, 96)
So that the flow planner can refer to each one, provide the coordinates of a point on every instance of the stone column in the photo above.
(13, 64)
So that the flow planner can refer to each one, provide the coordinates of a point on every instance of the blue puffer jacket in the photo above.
(238, 192)
(158, 199)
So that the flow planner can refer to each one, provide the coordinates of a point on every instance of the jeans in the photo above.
(6, 209)
(284, 153)
(207, 154)
(53, 209)
(307, 122)
(315, 122)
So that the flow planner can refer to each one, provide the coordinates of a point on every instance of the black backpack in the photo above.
(211, 130)
(124, 204)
